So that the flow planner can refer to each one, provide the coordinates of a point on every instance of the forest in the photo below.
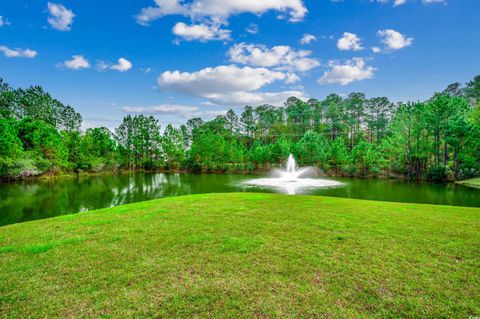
(437, 139)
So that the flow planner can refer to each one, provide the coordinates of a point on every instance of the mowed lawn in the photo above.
(245, 256)
(473, 182)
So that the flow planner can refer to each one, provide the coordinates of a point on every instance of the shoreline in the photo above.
(472, 182)
(64, 175)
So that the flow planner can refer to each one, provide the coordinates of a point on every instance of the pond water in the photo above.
(37, 199)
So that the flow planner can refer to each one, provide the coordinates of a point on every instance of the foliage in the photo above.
(311, 149)
(436, 139)
(139, 141)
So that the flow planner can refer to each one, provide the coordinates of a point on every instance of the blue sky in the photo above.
(178, 59)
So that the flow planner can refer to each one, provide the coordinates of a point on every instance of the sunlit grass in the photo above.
(243, 256)
(473, 182)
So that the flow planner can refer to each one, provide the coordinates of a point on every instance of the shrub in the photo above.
(438, 174)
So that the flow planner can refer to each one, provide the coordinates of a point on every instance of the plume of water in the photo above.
(291, 165)
(292, 179)
(292, 172)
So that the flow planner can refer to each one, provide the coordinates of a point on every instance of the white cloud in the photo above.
(60, 17)
(122, 65)
(166, 109)
(376, 50)
(307, 38)
(17, 53)
(201, 32)
(4, 22)
(77, 62)
(256, 98)
(397, 3)
(343, 74)
(280, 57)
(291, 78)
(102, 66)
(184, 111)
(227, 84)
(433, 1)
(224, 78)
(394, 40)
(213, 113)
(252, 28)
(214, 13)
(220, 10)
(97, 121)
(349, 41)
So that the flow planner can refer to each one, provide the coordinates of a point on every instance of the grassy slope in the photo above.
(473, 182)
(245, 255)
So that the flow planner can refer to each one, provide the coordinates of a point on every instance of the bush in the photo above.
(42, 164)
(190, 164)
(6, 166)
(438, 174)
(467, 173)
(24, 167)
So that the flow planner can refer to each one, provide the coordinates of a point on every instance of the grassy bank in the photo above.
(243, 256)
(473, 182)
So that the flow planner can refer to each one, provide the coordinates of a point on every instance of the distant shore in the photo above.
(474, 182)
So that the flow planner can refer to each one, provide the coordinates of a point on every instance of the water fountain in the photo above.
(293, 180)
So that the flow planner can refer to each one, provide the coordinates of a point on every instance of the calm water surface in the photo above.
(29, 200)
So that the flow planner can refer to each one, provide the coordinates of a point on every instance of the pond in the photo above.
(37, 199)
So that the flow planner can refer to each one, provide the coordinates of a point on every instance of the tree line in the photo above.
(437, 139)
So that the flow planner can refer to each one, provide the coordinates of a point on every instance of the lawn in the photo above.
(473, 182)
(244, 256)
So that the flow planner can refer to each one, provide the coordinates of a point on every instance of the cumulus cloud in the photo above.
(397, 3)
(165, 109)
(307, 38)
(17, 53)
(184, 111)
(349, 42)
(220, 10)
(214, 13)
(77, 62)
(146, 70)
(122, 65)
(3, 22)
(212, 113)
(227, 84)
(257, 98)
(280, 57)
(394, 40)
(225, 78)
(200, 32)
(60, 17)
(252, 28)
(98, 121)
(352, 70)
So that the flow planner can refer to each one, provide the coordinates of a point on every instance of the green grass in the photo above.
(473, 182)
(244, 256)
